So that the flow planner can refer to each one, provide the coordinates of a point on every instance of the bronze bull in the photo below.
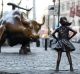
(17, 30)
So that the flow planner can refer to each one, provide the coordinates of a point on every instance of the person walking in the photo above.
(63, 43)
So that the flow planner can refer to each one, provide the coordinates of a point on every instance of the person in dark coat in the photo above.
(63, 44)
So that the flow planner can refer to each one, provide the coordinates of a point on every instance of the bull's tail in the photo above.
(2, 29)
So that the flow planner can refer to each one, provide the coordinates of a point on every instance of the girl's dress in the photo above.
(63, 44)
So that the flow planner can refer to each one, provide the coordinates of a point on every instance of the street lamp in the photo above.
(58, 12)
(54, 15)
(34, 9)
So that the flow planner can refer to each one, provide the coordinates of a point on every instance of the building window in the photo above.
(62, 6)
(78, 2)
(73, 4)
(68, 6)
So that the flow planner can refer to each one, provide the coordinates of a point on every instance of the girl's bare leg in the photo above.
(58, 60)
(70, 60)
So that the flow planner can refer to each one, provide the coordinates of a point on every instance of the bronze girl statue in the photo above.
(63, 44)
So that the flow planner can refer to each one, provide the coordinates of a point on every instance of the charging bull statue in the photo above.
(17, 30)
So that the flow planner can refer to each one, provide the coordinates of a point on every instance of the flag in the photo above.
(72, 11)
(78, 10)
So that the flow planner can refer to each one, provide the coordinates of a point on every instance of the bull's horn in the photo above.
(43, 20)
(14, 6)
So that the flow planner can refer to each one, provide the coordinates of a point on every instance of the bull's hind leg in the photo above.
(3, 38)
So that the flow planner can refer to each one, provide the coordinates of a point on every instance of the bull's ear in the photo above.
(2, 29)
(43, 21)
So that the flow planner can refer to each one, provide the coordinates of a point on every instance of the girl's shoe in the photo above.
(71, 69)
(57, 69)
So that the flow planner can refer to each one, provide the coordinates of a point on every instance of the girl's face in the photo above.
(63, 23)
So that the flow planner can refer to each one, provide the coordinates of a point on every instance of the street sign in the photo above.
(53, 10)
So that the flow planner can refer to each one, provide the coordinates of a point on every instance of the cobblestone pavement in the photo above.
(38, 61)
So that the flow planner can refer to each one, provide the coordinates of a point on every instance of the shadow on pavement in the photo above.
(8, 73)
(45, 72)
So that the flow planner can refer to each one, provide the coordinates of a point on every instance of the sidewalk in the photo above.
(38, 61)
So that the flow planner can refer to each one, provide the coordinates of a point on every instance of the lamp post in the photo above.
(54, 15)
(58, 12)
(34, 9)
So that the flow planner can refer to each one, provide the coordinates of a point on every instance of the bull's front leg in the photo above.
(24, 49)
(28, 47)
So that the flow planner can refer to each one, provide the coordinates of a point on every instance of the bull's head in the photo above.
(36, 26)
(33, 26)
(20, 25)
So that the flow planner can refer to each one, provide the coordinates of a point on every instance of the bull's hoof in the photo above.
(28, 50)
(22, 51)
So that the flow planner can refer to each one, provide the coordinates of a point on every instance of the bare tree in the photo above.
(19, 2)
(1, 10)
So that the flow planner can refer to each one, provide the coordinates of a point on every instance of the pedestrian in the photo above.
(63, 44)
